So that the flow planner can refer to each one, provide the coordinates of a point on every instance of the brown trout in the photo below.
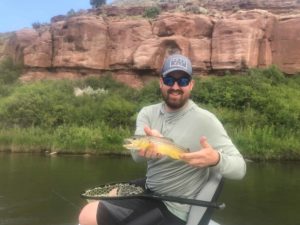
(164, 146)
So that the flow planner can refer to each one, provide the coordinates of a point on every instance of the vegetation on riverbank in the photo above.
(260, 110)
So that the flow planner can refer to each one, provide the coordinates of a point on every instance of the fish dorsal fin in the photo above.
(137, 136)
(162, 138)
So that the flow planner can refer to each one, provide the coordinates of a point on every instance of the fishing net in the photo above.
(122, 190)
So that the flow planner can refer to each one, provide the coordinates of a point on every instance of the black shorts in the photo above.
(135, 212)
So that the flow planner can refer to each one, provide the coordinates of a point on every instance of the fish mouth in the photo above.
(127, 143)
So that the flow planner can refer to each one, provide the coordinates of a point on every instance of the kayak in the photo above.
(210, 192)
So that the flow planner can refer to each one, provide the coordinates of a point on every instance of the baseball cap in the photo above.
(176, 62)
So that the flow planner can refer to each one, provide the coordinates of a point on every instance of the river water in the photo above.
(43, 190)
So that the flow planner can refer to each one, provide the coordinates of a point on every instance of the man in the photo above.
(194, 128)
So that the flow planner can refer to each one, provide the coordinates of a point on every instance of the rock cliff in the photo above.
(133, 48)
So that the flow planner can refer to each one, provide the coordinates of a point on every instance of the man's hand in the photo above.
(207, 156)
(150, 132)
(150, 152)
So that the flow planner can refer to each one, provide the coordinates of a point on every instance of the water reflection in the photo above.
(39, 190)
(267, 196)
(36, 190)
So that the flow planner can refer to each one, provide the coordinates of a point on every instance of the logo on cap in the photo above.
(178, 62)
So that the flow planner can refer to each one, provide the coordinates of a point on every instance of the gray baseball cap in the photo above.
(177, 62)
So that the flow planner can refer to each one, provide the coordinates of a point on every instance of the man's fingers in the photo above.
(151, 132)
(142, 153)
(150, 152)
(113, 192)
(148, 131)
(204, 143)
(189, 156)
(191, 160)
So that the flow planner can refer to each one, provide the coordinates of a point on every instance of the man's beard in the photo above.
(175, 104)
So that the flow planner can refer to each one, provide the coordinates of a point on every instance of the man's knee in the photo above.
(88, 215)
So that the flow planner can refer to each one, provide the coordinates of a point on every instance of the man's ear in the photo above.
(192, 84)
(161, 82)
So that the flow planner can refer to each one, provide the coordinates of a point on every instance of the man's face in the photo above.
(176, 96)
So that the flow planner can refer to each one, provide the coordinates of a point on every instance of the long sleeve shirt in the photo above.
(185, 127)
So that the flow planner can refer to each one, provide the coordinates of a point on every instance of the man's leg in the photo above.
(88, 215)
(129, 212)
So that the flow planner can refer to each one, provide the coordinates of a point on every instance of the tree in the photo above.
(97, 3)
(71, 12)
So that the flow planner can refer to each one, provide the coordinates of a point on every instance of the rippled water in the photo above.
(40, 190)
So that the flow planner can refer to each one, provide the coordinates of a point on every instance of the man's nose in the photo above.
(175, 85)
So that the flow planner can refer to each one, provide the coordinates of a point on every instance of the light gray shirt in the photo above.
(185, 127)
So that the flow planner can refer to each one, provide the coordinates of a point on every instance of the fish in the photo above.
(164, 146)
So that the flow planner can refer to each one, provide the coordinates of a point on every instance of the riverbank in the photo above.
(260, 109)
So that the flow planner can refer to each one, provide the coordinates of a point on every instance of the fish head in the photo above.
(136, 142)
(129, 143)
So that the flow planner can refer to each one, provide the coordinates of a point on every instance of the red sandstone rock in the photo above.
(241, 41)
(124, 38)
(186, 34)
(286, 44)
(80, 42)
(271, 5)
(190, 26)
(39, 52)
(17, 43)
(96, 44)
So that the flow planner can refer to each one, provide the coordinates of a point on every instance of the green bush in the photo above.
(267, 142)
(149, 94)
(87, 110)
(260, 110)
(108, 83)
(268, 95)
(113, 138)
(44, 104)
(116, 111)
(97, 3)
(272, 73)
(31, 139)
(75, 138)
(151, 12)
(232, 118)
(105, 82)
(6, 89)
(53, 103)
(9, 72)
(89, 139)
